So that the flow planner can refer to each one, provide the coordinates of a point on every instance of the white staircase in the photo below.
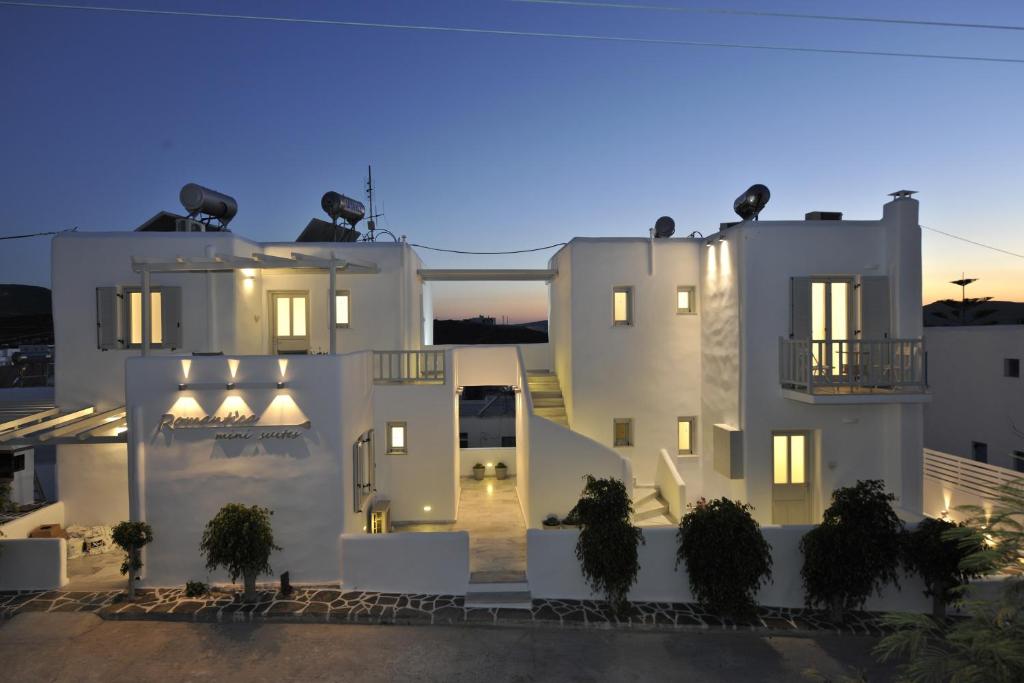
(649, 509)
(507, 592)
(547, 396)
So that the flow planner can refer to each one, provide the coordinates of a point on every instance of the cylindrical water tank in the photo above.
(199, 199)
(338, 206)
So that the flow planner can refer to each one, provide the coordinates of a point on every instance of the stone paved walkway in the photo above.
(333, 605)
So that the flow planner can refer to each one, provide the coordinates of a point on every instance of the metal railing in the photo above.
(978, 478)
(853, 366)
(409, 367)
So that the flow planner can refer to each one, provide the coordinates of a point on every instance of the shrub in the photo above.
(855, 550)
(727, 559)
(131, 537)
(608, 541)
(240, 539)
(929, 551)
(195, 589)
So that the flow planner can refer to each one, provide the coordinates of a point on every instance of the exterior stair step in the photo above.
(649, 509)
(504, 594)
(548, 402)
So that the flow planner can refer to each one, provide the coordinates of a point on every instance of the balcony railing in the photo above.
(408, 367)
(853, 366)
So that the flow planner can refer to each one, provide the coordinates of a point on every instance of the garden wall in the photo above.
(406, 562)
(33, 564)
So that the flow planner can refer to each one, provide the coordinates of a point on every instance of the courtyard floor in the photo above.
(489, 510)
(82, 647)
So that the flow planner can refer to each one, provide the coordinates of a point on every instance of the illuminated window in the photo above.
(623, 431)
(686, 300)
(685, 435)
(397, 438)
(789, 458)
(342, 308)
(289, 314)
(156, 321)
(622, 306)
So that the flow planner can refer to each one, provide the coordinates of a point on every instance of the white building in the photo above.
(978, 408)
(771, 362)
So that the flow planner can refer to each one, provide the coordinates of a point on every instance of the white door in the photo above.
(830, 326)
(290, 315)
(791, 491)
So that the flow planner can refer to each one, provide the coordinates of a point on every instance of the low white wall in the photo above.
(92, 480)
(471, 456)
(20, 527)
(670, 484)
(537, 356)
(559, 459)
(406, 562)
(554, 572)
(33, 564)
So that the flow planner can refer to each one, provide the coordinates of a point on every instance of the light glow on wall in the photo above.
(186, 406)
(723, 254)
(427, 508)
(233, 366)
(248, 273)
(712, 265)
(283, 364)
(234, 404)
(186, 365)
(283, 410)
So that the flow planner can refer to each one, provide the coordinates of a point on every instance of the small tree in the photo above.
(608, 541)
(855, 550)
(930, 552)
(131, 537)
(987, 645)
(240, 539)
(727, 559)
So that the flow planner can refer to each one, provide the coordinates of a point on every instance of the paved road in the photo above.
(82, 647)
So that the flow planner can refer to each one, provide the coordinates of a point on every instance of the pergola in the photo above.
(226, 263)
(54, 426)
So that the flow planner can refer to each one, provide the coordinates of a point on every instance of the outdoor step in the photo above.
(653, 507)
(546, 402)
(499, 577)
(544, 393)
(645, 496)
(509, 600)
(545, 386)
(499, 587)
(661, 520)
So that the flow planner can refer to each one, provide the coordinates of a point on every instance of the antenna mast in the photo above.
(371, 222)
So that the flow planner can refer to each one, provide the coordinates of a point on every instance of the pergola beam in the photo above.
(34, 417)
(76, 428)
(46, 424)
(487, 274)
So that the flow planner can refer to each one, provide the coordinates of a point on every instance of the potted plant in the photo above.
(478, 472)
(571, 520)
(240, 539)
(131, 537)
(608, 541)
(855, 550)
(551, 522)
(501, 470)
(726, 556)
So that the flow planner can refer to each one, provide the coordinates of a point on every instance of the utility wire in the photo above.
(37, 234)
(520, 34)
(977, 244)
(757, 13)
(489, 253)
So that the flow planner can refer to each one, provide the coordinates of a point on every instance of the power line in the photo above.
(519, 34)
(489, 253)
(757, 13)
(977, 244)
(37, 234)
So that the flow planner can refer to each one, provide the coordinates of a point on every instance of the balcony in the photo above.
(408, 367)
(854, 371)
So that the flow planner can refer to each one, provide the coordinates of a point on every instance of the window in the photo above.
(686, 300)
(789, 458)
(397, 439)
(463, 439)
(1018, 460)
(1011, 367)
(623, 431)
(508, 441)
(156, 327)
(622, 306)
(685, 437)
(342, 308)
(979, 451)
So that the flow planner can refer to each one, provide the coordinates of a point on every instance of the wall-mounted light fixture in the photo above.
(229, 386)
(182, 386)
(459, 390)
(280, 385)
(427, 508)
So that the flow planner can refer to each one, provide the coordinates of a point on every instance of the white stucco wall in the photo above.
(92, 482)
(653, 365)
(431, 563)
(32, 564)
(471, 456)
(20, 527)
(972, 400)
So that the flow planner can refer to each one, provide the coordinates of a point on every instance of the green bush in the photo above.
(240, 539)
(855, 550)
(930, 552)
(195, 589)
(608, 541)
(727, 559)
(131, 537)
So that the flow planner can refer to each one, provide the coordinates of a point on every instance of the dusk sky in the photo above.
(489, 142)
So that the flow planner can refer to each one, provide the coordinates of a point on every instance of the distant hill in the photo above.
(25, 315)
(473, 332)
(947, 312)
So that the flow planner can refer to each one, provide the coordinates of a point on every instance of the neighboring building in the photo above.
(978, 407)
(771, 362)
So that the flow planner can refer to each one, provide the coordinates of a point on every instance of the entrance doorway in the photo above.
(830, 325)
(289, 314)
(791, 491)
